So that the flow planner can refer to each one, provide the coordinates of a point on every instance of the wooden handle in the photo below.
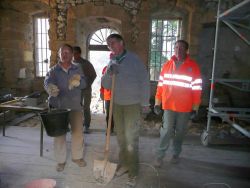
(110, 114)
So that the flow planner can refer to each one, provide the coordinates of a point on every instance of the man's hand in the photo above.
(52, 90)
(145, 110)
(195, 108)
(74, 81)
(113, 68)
(194, 112)
(101, 96)
(157, 109)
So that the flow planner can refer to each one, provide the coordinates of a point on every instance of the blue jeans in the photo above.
(174, 127)
(127, 125)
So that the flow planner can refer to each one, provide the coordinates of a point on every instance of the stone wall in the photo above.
(70, 22)
(16, 50)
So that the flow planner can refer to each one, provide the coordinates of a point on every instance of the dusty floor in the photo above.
(210, 167)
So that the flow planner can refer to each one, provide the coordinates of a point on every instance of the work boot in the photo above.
(80, 162)
(175, 159)
(60, 167)
(158, 163)
(121, 170)
(131, 183)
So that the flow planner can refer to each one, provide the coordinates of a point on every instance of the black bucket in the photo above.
(56, 122)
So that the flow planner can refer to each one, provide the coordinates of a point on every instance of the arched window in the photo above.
(98, 49)
(97, 40)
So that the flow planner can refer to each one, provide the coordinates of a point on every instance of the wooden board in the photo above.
(19, 105)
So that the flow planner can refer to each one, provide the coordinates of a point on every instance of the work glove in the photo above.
(195, 107)
(157, 109)
(145, 110)
(52, 90)
(194, 112)
(74, 81)
(113, 68)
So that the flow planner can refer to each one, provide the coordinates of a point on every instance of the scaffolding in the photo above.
(235, 18)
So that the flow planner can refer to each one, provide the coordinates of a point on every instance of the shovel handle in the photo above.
(110, 115)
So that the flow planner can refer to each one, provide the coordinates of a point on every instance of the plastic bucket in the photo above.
(56, 122)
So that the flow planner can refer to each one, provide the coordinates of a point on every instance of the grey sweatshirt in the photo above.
(67, 99)
(132, 82)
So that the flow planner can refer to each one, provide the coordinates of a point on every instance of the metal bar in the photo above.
(232, 86)
(98, 47)
(100, 42)
(235, 30)
(233, 8)
(245, 84)
(103, 38)
(226, 115)
(231, 80)
(213, 68)
(46, 44)
(232, 109)
(4, 123)
(240, 25)
(235, 87)
(239, 128)
(41, 43)
(41, 136)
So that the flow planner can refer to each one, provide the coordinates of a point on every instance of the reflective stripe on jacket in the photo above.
(179, 88)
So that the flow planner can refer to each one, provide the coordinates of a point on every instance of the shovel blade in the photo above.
(104, 171)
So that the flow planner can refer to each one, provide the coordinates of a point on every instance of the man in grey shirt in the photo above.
(64, 83)
(131, 98)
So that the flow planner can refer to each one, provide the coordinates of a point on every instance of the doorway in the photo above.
(99, 57)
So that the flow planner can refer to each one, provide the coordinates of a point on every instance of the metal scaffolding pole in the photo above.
(213, 68)
(222, 112)
(238, 33)
(233, 8)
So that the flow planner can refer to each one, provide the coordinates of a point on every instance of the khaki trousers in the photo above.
(60, 145)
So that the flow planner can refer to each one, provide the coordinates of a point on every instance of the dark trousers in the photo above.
(107, 105)
(87, 94)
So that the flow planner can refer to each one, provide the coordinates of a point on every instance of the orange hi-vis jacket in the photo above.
(179, 88)
(106, 92)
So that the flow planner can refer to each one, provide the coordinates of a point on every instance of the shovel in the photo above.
(104, 170)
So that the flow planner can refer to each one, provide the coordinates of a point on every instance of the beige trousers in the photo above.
(60, 145)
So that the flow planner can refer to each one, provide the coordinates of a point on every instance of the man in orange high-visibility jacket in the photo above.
(178, 93)
(105, 94)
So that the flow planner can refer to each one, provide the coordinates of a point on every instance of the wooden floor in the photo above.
(20, 162)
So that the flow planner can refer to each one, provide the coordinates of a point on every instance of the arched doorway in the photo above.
(99, 57)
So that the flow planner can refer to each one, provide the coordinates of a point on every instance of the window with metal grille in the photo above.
(42, 52)
(164, 33)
